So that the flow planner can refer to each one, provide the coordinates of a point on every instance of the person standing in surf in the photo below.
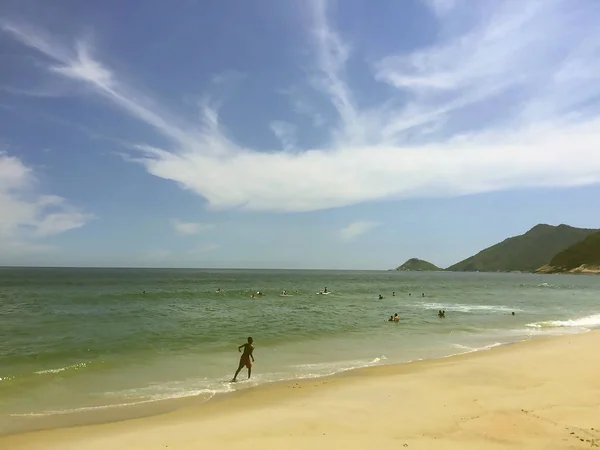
(246, 359)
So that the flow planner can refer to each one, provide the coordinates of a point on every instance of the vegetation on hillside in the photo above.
(526, 252)
(585, 252)
(417, 265)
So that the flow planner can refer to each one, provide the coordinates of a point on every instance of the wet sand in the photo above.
(542, 394)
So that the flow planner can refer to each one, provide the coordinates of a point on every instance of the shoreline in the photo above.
(342, 393)
(109, 414)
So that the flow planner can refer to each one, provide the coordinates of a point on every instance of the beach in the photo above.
(539, 394)
(81, 346)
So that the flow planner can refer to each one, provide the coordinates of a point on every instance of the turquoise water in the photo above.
(74, 340)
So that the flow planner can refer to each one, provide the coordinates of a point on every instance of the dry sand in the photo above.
(543, 394)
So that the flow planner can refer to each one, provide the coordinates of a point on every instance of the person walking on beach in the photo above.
(246, 359)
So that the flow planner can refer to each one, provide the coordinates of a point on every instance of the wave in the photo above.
(77, 366)
(477, 349)
(587, 322)
(180, 389)
(548, 285)
(458, 307)
(95, 408)
(336, 367)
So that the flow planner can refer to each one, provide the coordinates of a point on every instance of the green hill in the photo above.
(526, 252)
(417, 265)
(584, 256)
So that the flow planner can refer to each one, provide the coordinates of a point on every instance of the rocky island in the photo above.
(418, 265)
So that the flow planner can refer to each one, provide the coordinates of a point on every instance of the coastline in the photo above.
(519, 395)
(584, 269)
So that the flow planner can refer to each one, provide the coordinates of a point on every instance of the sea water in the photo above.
(84, 340)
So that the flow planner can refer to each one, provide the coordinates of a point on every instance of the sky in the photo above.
(292, 134)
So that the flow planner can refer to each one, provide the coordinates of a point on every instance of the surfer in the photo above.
(394, 294)
(325, 291)
(246, 359)
(380, 297)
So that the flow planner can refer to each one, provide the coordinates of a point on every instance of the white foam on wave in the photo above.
(586, 322)
(476, 349)
(323, 369)
(458, 307)
(77, 366)
(173, 390)
(207, 388)
(153, 399)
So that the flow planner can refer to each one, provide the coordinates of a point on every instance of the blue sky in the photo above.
(296, 134)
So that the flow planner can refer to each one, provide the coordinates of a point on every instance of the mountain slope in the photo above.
(417, 265)
(526, 252)
(584, 256)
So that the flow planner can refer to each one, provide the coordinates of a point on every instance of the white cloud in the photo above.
(441, 7)
(300, 105)
(505, 99)
(27, 215)
(286, 133)
(189, 228)
(355, 229)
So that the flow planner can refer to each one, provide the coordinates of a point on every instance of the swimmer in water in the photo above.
(391, 319)
(396, 318)
(380, 297)
(245, 359)
(394, 294)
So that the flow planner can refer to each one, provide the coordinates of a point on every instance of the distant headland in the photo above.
(543, 249)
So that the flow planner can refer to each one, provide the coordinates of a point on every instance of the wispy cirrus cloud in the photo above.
(441, 7)
(355, 229)
(504, 99)
(27, 215)
(190, 228)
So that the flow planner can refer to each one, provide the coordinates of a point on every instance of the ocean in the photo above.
(76, 341)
